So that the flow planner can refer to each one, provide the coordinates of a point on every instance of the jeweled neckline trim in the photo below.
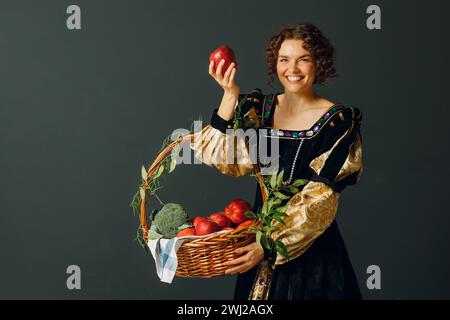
(296, 134)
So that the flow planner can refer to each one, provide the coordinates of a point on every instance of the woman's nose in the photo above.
(293, 67)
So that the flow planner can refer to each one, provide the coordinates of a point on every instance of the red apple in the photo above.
(205, 227)
(223, 52)
(236, 209)
(197, 220)
(220, 219)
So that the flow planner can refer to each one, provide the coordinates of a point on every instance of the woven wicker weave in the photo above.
(202, 257)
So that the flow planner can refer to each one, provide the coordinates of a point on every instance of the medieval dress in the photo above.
(329, 156)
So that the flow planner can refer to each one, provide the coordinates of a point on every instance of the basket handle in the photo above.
(154, 166)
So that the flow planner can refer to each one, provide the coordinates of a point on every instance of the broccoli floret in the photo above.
(169, 219)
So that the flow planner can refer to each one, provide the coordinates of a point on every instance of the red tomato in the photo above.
(220, 219)
(186, 232)
(244, 224)
(236, 209)
(223, 52)
(205, 227)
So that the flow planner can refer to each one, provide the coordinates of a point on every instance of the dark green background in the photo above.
(82, 111)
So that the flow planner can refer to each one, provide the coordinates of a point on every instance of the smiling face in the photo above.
(295, 66)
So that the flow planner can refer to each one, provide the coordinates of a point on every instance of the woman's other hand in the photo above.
(250, 256)
(227, 80)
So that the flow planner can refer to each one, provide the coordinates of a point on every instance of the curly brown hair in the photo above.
(321, 49)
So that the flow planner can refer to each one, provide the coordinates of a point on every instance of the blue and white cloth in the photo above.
(164, 252)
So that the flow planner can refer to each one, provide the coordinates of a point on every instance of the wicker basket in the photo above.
(202, 257)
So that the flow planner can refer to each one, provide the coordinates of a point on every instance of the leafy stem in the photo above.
(274, 209)
(150, 185)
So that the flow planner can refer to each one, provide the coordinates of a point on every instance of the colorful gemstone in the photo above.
(316, 128)
(309, 133)
(321, 121)
(280, 133)
(302, 134)
(261, 281)
(327, 115)
(295, 134)
(287, 133)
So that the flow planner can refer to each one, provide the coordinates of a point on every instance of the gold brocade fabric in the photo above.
(309, 213)
(261, 284)
(229, 153)
(354, 161)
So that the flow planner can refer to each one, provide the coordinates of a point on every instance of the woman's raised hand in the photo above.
(226, 81)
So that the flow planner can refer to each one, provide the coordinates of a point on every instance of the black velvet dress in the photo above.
(329, 154)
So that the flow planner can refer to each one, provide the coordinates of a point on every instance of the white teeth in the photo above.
(294, 78)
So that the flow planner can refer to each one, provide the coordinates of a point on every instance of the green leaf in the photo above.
(144, 173)
(270, 204)
(276, 202)
(265, 241)
(142, 193)
(136, 205)
(264, 209)
(299, 182)
(258, 236)
(281, 248)
(280, 178)
(250, 214)
(280, 213)
(173, 164)
(159, 171)
(280, 195)
(279, 219)
(273, 181)
(293, 190)
(270, 228)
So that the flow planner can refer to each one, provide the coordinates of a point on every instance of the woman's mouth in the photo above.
(294, 79)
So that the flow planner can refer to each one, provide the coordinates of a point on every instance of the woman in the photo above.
(320, 141)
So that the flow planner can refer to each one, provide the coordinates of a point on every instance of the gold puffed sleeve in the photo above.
(227, 152)
(231, 146)
(312, 210)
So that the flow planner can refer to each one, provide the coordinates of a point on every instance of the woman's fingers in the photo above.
(236, 261)
(241, 264)
(226, 76)
(226, 81)
(219, 70)
(211, 68)
(242, 250)
(233, 73)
